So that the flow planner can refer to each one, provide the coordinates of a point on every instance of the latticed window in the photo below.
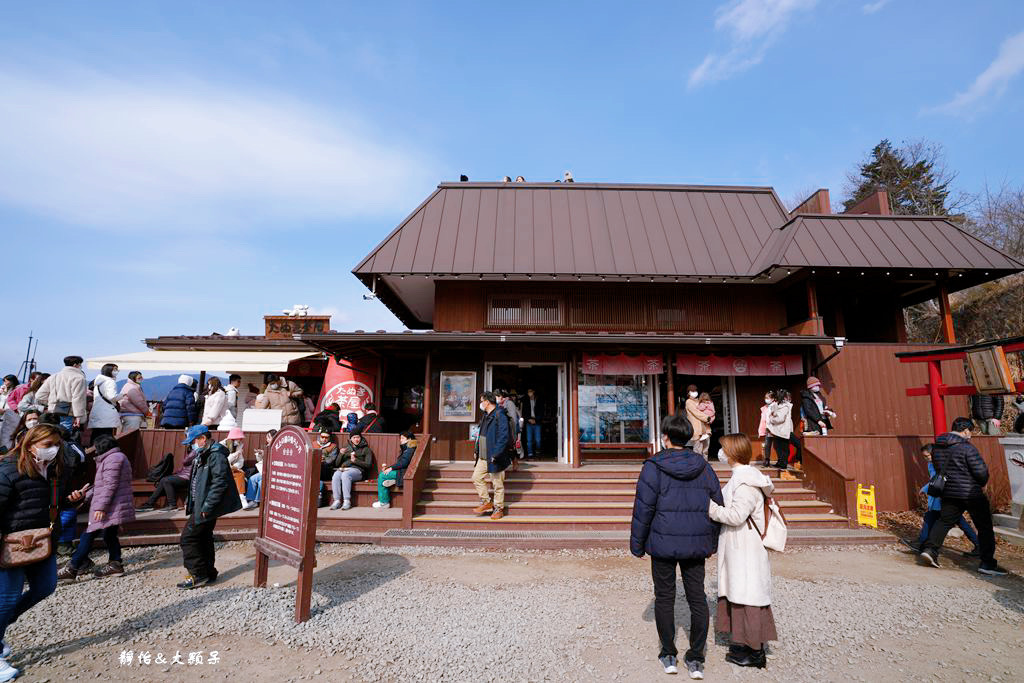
(524, 311)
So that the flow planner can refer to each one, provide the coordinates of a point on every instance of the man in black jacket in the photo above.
(966, 474)
(494, 450)
(211, 494)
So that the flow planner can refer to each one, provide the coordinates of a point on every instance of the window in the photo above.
(522, 311)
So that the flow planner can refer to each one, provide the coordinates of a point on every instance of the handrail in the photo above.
(832, 486)
(415, 478)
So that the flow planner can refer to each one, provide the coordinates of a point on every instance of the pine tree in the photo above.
(914, 176)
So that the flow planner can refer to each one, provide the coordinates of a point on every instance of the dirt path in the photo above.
(868, 614)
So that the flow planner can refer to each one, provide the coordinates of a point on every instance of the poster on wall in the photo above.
(351, 386)
(458, 397)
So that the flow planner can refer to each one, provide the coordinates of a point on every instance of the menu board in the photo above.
(286, 489)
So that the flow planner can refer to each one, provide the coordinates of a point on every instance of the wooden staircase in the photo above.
(593, 497)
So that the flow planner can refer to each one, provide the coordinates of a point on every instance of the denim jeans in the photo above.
(252, 487)
(67, 422)
(932, 516)
(532, 440)
(110, 537)
(42, 581)
(68, 525)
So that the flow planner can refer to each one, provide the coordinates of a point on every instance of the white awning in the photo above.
(210, 361)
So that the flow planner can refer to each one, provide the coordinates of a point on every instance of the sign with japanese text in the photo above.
(622, 364)
(351, 386)
(738, 366)
(287, 530)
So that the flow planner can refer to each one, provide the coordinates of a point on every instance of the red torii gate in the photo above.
(936, 390)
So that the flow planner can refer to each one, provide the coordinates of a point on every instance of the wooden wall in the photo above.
(146, 447)
(632, 307)
(893, 465)
(866, 385)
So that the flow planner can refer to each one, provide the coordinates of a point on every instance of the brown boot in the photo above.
(109, 569)
(483, 508)
(497, 514)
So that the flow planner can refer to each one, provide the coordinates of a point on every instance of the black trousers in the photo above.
(663, 571)
(981, 515)
(197, 551)
(781, 448)
(169, 487)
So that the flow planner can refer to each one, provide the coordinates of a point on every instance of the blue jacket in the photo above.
(670, 513)
(933, 502)
(179, 408)
(494, 431)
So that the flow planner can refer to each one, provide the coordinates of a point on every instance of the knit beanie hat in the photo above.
(813, 381)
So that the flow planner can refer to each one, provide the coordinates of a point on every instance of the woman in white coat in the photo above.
(744, 572)
(104, 417)
(216, 403)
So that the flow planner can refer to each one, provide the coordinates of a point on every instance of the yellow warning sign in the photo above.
(866, 512)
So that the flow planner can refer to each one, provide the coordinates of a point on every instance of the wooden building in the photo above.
(609, 300)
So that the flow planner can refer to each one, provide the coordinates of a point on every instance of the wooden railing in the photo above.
(832, 486)
(415, 478)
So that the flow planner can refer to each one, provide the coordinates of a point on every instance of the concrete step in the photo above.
(464, 491)
(1010, 534)
(564, 483)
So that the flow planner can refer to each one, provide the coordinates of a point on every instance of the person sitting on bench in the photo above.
(393, 475)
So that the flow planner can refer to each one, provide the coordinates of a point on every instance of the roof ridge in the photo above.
(603, 186)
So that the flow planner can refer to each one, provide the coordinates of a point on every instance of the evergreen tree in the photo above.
(914, 176)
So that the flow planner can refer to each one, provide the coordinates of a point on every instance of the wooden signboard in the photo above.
(990, 371)
(287, 532)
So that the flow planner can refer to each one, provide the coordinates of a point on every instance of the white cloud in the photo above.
(753, 26)
(873, 7)
(101, 152)
(990, 82)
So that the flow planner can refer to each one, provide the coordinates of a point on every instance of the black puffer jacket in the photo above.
(25, 500)
(966, 473)
(985, 407)
(214, 486)
(670, 513)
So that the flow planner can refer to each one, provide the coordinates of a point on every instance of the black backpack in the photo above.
(162, 469)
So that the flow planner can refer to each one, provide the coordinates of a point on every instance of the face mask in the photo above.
(46, 454)
(483, 406)
(196, 447)
(816, 389)
(768, 400)
(114, 374)
(275, 385)
(31, 423)
(324, 443)
(693, 394)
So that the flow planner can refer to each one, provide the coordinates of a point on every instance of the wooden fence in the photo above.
(893, 465)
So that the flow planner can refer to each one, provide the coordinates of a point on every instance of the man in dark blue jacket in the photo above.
(180, 405)
(671, 524)
(966, 474)
(494, 449)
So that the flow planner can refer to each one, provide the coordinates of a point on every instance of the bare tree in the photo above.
(998, 218)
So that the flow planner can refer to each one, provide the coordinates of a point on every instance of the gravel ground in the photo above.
(438, 614)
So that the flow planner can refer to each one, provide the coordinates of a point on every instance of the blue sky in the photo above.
(182, 168)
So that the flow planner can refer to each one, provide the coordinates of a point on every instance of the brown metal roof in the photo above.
(219, 342)
(898, 242)
(580, 228)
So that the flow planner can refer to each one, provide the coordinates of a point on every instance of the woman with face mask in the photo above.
(814, 409)
(700, 422)
(29, 480)
(28, 420)
(104, 417)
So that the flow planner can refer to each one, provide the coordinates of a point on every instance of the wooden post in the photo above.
(575, 456)
(948, 334)
(671, 382)
(812, 306)
(304, 583)
(426, 397)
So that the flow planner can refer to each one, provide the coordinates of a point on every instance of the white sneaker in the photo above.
(5, 650)
(335, 505)
(669, 663)
(347, 505)
(250, 505)
(379, 505)
(7, 672)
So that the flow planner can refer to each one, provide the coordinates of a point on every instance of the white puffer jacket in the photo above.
(214, 408)
(744, 572)
(104, 404)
